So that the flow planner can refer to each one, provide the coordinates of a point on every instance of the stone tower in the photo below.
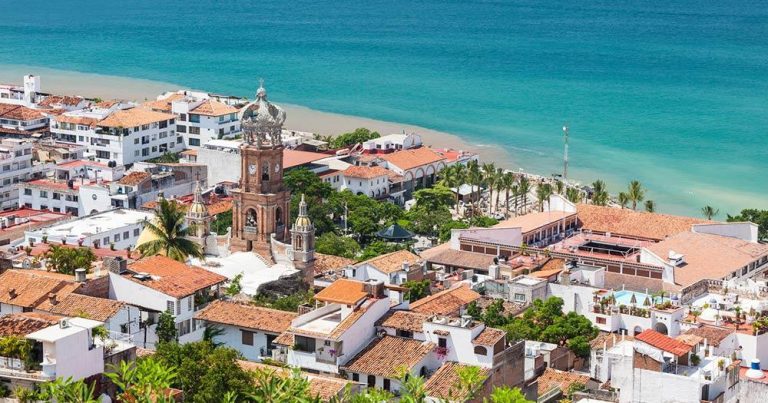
(303, 243)
(199, 219)
(261, 203)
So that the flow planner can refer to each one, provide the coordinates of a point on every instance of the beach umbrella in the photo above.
(647, 301)
(633, 300)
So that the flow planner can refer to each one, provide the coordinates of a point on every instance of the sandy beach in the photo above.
(299, 117)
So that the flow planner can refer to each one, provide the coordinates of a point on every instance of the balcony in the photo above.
(14, 368)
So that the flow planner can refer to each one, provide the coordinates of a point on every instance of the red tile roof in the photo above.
(404, 320)
(552, 378)
(442, 384)
(294, 158)
(627, 222)
(363, 172)
(19, 112)
(171, 277)
(392, 262)
(663, 342)
(445, 302)
(384, 356)
(101, 309)
(26, 289)
(247, 316)
(22, 324)
(343, 291)
(413, 158)
(489, 337)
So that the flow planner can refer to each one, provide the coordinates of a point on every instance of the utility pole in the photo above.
(565, 155)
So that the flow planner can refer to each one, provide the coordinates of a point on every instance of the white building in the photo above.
(21, 118)
(392, 142)
(201, 118)
(392, 268)
(64, 348)
(247, 328)
(27, 94)
(115, 228)
(159, 284)
(16, 166)
(326, 338)
(118, 134)
(371, 181)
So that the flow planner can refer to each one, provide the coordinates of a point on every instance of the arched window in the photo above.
(299, 243)
(250, 218)
(481, 350)
(279, 218)
(265, 172)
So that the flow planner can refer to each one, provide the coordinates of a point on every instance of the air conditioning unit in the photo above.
(64, 323)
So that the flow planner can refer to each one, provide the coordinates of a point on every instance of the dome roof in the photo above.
(198, 208)
(147, 236)
(262, 111)
(303, 221)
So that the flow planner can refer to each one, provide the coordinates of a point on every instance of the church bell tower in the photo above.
(261, 202)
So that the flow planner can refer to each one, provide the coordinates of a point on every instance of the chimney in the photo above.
(406, 266)
(12, 293)
(493, 271)
(80, 275)
(52, 298)
(375, 288)
(116, 265)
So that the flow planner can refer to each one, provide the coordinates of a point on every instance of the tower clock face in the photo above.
(252, 169)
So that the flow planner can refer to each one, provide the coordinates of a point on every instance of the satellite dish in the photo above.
(26, 264)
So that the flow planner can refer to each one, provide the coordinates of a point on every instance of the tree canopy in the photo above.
(359, 135)
(759, 217)
(66, 260)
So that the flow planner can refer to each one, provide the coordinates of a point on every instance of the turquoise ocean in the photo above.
(673, 93)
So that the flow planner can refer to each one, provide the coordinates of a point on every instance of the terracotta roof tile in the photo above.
(489, 336)
(413, 158)
(163, 105)
(22, 324)
(294, 158)
(384, 356)
(713, 334)
(627, 222)
(132, 117)
(663, 342)
(533, 221)
(392, 262)
(446, 302)
(460, 258)
(552, 378)
(77, 120)
(285, 339)
(404, 320)
(52, 100)
(100, 309)
(26, 289)
(608, 340)
(442, 384)
(689, 339)
(211, 107)
(364, 172)
(708, 256)
(171, 277)
(343, 291)
(247, 316)
(19, 112)
(323, 387)
(324, 263)
(134, 178)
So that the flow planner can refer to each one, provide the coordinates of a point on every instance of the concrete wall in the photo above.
(746, 231)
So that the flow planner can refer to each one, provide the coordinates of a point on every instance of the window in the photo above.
(371, 381)
(144, 127)
(126, 234)
(386, 384)
(106, 240)
(56, 196)
(481, 350)
(194, 118)
(178, 308)
(44, 194)
(442, 342)
(179, 140)
(183, 117)
(356, 377)
(163, 124)
(136, 140)
(190, 299)
(519, 297)
(246, 337)
(600, 320)
(136, 153)
(169, 307)
(117, 237)
(194, 142)
(404, 333)
(136, 232)
(221, 132)
(194, 130)
(306, 344)
(145, 152)
(27, 192)
(181, 128)
(184, 327)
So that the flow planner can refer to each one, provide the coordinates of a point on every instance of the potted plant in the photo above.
(695, 360)
(111, 246)
(45, 238)
(721, 364)
(441, 352)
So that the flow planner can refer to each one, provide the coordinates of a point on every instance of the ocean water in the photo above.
(673, 93)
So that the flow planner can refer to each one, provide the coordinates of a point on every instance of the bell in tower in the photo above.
(261, 202)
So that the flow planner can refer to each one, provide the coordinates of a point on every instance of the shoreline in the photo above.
(301, 118)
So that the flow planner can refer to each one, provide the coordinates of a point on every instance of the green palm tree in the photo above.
(573, 195)
(599, 193)
(489, 177)
(543, 192)
(708, 212)
(475, 179)
(559, 187)
(635, 193)
(498, 180)
(509, 184)
(170, 233)
(650, 206)
(623, 199)
(524, 187)
(453, 177)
